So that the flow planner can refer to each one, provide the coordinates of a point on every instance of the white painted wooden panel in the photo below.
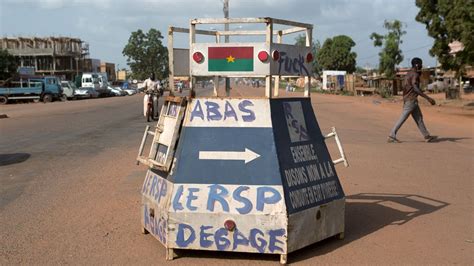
(201, 69)
(204, 231)
(211, 112)
(238, 199)
(156, 197)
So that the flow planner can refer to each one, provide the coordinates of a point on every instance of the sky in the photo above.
(107, 24)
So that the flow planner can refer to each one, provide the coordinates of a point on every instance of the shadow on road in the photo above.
(367, 213)
(437, 140)
(13, 158)
(226, 256)
(448, 139)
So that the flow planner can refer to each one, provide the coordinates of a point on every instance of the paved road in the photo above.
(69, 187)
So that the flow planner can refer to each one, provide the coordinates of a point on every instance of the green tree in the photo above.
(391, 55)
(448, 21)
(315, 47)
(146, 54)
(336, 54)
(8, 65)
(360, 70)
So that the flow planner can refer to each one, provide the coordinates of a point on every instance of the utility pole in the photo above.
(226, 28)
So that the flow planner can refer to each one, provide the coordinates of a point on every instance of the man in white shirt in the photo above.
(149, 87)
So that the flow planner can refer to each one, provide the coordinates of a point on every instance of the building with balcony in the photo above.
(61, 56)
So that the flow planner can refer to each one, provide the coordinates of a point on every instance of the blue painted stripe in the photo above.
(190, 169)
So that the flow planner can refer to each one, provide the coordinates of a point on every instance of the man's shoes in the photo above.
(393, 140)
(430, 138)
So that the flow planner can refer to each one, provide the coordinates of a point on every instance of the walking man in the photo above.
(411, 90)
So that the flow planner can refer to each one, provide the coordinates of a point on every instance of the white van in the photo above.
(90, 80)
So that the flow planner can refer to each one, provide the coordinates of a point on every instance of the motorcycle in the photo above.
(150, 106)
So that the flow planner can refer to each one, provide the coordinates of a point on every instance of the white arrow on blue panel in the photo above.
(247, 155)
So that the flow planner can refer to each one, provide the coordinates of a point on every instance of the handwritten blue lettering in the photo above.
(273, 240)
(222, 243)
(156, 226)
(153, 185)
(146, 184)
(180, 236)
(176, 204)
(293, 123)
(247, 203)
(197, 111)
(250, 114)
(213, 111)
(235, 199)
(262, 199)
(239, 239)
(257, 243)
(222, 240)
(214, 196)
(162, 190)
(229, 111)
(191, 197)
(203, 241)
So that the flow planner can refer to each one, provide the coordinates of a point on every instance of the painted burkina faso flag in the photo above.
(230, 58)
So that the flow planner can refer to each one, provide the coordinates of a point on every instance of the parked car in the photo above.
(130, 91)
(68, 88)
(93, 92)
(122, 91)
(82, 93)
(117, 91)
(468, 87)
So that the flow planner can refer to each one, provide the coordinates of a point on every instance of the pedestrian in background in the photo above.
(411, 90)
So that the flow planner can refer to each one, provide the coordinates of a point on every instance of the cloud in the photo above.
(59, 4)
(107, 24)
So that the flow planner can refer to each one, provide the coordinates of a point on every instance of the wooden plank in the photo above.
(177, 99)
(184, 30)
(250, 20)
(228, 20)
(307, 79)
(291, 23)
(293, 30)
(170, 60)
(243, 32)
(277, 77)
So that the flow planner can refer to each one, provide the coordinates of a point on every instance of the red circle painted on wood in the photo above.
(263, 56)
(198, 57)
(229, 225)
